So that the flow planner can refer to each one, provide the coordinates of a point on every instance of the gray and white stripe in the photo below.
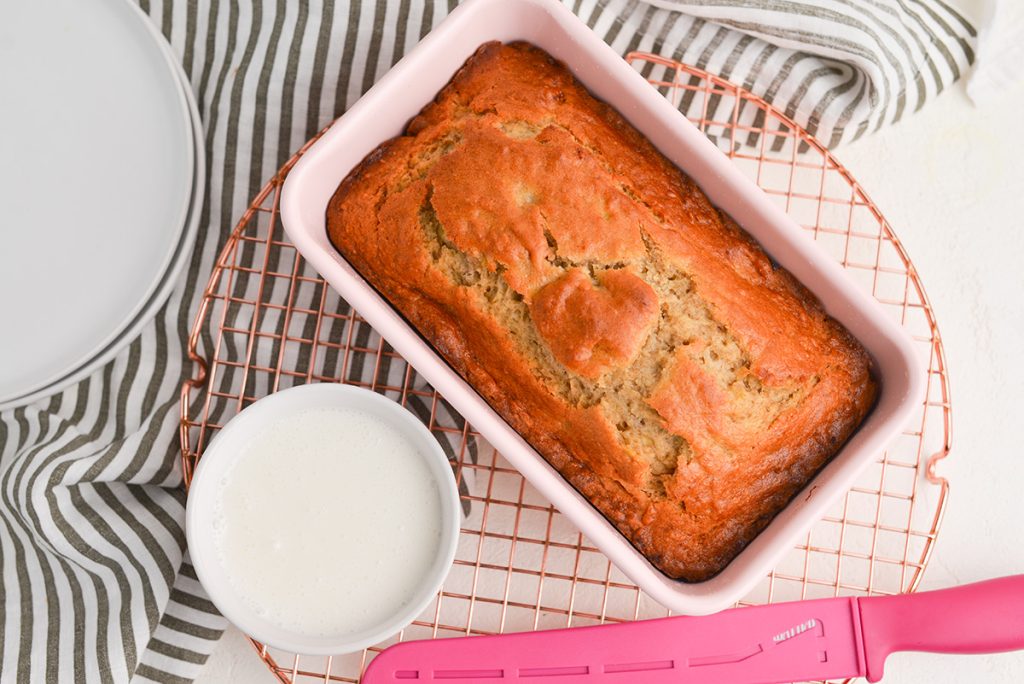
(840, 68)
(96, 585)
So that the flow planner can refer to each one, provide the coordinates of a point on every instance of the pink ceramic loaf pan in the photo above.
(383, 113)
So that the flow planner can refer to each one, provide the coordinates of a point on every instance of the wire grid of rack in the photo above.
(268, 321)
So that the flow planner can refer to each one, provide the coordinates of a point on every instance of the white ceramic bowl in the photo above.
(221, 454)
(383, 113)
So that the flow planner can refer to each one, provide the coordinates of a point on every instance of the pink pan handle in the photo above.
(986, 617)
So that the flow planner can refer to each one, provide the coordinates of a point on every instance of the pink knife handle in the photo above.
(986, 617)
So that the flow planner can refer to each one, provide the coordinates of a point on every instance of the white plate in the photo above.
(178, 262)
(95, 189)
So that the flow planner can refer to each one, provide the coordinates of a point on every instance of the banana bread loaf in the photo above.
(639, 339)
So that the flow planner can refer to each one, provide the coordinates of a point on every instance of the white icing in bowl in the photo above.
(322, 519)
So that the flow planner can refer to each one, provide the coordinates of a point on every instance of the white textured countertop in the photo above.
(951, 182)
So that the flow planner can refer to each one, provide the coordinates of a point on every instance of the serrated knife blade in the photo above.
(799, 641)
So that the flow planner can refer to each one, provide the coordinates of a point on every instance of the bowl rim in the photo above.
(218, 457)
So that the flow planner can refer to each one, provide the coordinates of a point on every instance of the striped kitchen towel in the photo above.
(839, 68)
(96, 585)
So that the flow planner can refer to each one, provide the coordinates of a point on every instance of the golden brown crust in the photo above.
(593, 323)
(635, 336)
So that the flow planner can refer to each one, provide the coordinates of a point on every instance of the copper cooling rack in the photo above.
(268, 321)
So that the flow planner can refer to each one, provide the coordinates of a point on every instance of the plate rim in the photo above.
(156, 290)
(180, 256)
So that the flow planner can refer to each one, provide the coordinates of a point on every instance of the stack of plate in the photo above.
(101, 187)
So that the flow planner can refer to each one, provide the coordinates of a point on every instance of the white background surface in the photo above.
(950, 179)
